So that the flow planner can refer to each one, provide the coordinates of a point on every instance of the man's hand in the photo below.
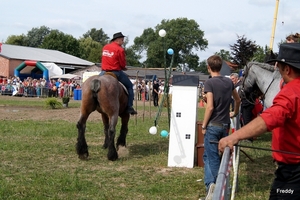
(125, 69)
(228, 141)
(231, 114)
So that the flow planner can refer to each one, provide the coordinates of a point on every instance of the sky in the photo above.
(221, 20)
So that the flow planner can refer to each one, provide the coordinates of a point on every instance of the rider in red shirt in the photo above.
(283, 118)
(113, 60)
(113, 57)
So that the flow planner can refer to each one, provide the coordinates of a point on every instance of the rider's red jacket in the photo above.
(113, 57)
(283, 117)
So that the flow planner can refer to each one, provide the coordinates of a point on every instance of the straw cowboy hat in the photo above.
(117, 35)
(289, 53)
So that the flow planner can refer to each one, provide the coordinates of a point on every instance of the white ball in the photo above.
(153, 130)
(162, 33)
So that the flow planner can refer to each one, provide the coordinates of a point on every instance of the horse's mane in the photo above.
(262, 65)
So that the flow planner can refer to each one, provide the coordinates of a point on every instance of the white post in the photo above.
(183, 125)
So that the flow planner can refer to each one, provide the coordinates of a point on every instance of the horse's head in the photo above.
(249, 79)
(260, 79)
(249, 89)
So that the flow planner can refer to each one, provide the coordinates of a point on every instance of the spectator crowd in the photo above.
(31, 87)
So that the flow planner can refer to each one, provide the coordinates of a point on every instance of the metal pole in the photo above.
(162, 33)
(168, 100)
(166, 86)
(149, 94)
(222, 174)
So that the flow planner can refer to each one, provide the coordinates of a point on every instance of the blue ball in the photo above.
(164, 133)
(170, 51)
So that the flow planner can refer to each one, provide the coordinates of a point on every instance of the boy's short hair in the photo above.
(215, 63)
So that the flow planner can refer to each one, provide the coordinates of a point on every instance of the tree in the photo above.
(183, 36)
(90, 49)
(261, 54)
(97, 35)
(143, 44)
(225, 55)
(132, 59)
(243, 51)
(16, 40)
(57, 40)
(202, 67)
(35, 36)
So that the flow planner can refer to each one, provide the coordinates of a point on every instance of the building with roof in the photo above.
(159, 73)
(11, 56)
(143, 73)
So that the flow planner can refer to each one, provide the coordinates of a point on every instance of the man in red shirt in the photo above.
(113, 60)
(283, 118)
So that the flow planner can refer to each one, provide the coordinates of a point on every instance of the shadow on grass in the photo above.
(256, 177)
(136, 150)
(147, 149)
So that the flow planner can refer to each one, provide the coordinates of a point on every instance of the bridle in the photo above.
(242, 91)
(274, 74)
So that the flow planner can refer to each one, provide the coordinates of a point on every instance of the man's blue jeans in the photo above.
(123, 78)
(211, 156)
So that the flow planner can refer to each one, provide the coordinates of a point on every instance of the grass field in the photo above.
(38, 160)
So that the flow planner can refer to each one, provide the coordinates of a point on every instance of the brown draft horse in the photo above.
(106, 95)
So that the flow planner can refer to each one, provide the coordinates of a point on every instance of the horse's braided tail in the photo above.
(95, 86)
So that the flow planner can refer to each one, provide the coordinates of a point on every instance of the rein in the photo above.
(263, 96)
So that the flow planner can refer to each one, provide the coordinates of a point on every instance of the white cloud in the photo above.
(221, 20)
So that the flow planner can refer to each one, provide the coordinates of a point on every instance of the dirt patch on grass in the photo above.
(17, 112)
(12, 112)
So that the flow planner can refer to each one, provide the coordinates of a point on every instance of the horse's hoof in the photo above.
(123, 151)
(120, 145)
(113, 159)
(113, 156)
(83, 157)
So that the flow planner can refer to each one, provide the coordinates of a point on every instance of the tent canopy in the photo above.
(52, 67)
(65, 76)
